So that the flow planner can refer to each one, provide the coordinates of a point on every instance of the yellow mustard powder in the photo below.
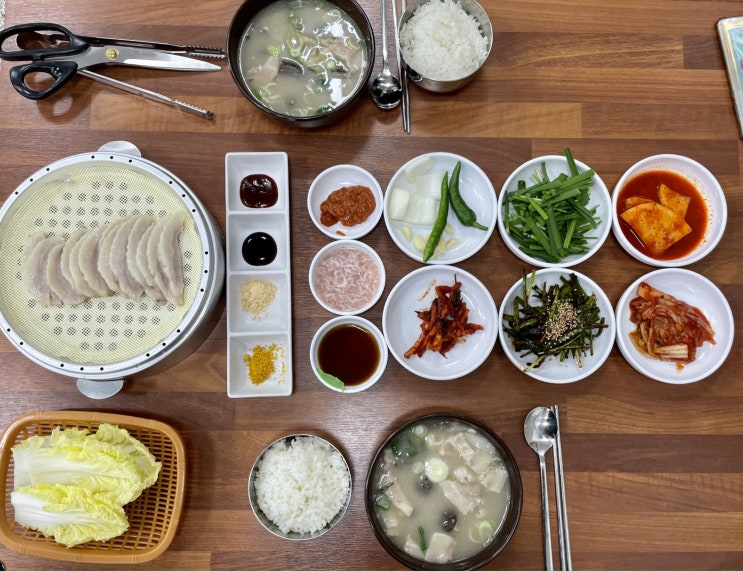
(261, 362)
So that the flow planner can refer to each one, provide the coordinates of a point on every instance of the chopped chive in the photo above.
(549, 218)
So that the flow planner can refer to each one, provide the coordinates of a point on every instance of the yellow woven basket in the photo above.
(153, 517)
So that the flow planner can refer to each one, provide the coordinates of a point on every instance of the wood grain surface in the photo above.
(653, 471)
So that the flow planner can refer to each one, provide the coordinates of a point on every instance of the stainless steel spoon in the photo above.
(540, 435)
(386, 90)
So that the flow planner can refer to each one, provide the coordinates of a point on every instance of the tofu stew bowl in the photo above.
(433, 510)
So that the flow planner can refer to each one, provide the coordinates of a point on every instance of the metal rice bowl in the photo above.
(474, 9)
(270, 525)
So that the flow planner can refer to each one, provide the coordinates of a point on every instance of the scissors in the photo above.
(56, 52)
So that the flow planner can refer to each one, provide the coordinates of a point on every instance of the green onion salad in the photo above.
(551, 219)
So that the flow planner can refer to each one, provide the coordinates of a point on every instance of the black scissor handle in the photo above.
(70, 45)
(59, 71)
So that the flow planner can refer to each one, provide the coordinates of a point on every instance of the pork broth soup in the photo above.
(441, 491)
(302, 57)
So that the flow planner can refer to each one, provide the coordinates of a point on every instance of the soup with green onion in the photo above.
(441, 491)
(302, 57)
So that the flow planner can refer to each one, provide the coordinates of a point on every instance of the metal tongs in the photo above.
(56, 52)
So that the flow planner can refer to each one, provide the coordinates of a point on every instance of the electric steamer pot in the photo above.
(113, 338)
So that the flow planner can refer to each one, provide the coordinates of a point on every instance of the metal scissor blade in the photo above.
(160, 60)
(123, 55)
(175, 49)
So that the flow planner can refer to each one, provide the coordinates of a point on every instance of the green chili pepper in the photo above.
(440, 223)
(465, 214)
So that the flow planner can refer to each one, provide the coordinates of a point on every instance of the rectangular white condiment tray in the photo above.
(273, 327)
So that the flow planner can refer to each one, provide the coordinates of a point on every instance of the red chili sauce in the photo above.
(258, 191)
(646, 185)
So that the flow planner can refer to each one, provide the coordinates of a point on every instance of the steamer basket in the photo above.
(153, 516)
(112, 338)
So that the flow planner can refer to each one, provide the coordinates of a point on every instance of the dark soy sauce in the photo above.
(259, 249)
(350, 353)
(258, 191)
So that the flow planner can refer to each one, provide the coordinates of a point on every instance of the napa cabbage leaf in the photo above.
(70, 514)
(72, 484)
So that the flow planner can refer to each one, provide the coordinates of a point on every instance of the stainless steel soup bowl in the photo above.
(242, 18)
(443, 86)
(503, 534)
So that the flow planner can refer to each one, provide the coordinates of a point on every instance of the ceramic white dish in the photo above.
(362, 324)
(354, 278)
(696, 290)
(599, 198)
(334, 178)
(279, 383)
(401, 325)
(552, 370)
(245, 329)
(476, 190)
(707, 185)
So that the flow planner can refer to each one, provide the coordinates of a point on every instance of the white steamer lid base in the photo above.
(99, 390)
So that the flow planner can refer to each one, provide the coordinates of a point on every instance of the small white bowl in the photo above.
(362, 323)
(332, 179)
(696, 290)
(707, 185)
(552, 370)
(356, 277)
(556, 164)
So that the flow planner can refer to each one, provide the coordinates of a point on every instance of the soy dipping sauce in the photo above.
(350, 353)
(258, 191)
(259, 249)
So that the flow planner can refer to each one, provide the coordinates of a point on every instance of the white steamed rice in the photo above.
(302, 484)
(442, 42)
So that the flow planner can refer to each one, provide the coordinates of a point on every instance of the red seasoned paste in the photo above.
(349, 205)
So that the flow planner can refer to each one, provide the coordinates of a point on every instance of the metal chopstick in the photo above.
(562, 508)
(403, 69)
(146, 93)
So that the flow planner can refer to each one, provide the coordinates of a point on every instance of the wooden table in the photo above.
(653, 471)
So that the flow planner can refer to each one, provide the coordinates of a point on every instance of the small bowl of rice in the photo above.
(299, 487)
(444, 42)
